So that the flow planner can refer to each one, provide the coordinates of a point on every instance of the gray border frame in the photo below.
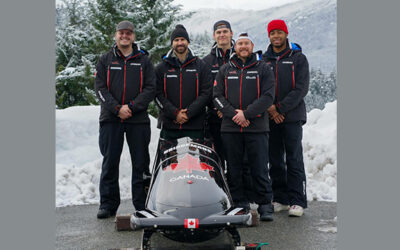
(368, 89)
(368, 123)
(27, 188)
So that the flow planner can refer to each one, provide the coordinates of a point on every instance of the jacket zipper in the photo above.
(180, 86)
(276, 77)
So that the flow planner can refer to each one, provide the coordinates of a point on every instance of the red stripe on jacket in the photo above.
(293, 76)
(108, 78)
(141, 79)
(197, 85)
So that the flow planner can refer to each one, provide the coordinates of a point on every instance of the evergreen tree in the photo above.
(201, 44)
(85, 30)
(74, 57)
(103, 16)
(322, 89)
(154, 22)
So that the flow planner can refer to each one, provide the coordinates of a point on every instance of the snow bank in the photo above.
(319, 147)
(78, 159)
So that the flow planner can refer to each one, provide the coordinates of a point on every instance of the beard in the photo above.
(181, 49)
(244, 52)
(279, 45)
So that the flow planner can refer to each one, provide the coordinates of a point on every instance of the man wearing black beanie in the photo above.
(179, 31)
(183, 89)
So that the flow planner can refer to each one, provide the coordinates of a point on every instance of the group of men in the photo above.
(250, 104)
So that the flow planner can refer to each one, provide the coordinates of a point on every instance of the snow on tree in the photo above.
(154, 21)
(86, 29)
(322, 89)
(74, 57)
(201, 44)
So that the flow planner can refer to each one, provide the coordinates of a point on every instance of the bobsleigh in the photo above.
(188, 198)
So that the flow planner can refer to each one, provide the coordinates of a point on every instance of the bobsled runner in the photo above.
(188, 198)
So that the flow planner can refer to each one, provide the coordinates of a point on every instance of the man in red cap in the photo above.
(287, 115)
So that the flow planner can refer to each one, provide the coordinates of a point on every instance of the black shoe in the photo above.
(266, 212)
(104, 213)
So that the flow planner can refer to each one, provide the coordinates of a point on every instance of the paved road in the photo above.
(78, 228)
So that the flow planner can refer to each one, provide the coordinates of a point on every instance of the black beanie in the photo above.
(179, 31)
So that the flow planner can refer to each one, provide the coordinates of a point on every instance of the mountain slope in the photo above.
(311, 23)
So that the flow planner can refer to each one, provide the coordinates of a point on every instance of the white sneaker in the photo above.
(279, 207)
(296, 211)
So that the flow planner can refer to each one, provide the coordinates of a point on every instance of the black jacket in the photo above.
(121, 80)
(292, 79)
(182, 86)
(215, 60)
(249, 87)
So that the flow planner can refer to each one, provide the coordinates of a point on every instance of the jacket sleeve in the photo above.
(302, 81)
(267, 96)
(165, 106)
(142, 100)
(102, 93)
(219, 99)
(207, 60)
(205, 83)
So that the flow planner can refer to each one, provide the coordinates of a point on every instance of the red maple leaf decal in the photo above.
(191, 223)
(189, 163)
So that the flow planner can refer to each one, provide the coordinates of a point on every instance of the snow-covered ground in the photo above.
(78, 159)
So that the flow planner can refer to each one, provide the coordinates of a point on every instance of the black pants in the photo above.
(255, 144)
(288, 179)
(111, 142)
(172, 134)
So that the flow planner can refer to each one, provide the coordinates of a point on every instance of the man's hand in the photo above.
(279, 118)
(272, 112)
(220, 115)
(124, 112)
(181, 117)
(239, 119)
(245, 124)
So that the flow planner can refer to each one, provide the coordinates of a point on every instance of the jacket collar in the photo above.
(174, 61)
(292, 47)
(218, 52)
(252, 60)
(135, 52)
